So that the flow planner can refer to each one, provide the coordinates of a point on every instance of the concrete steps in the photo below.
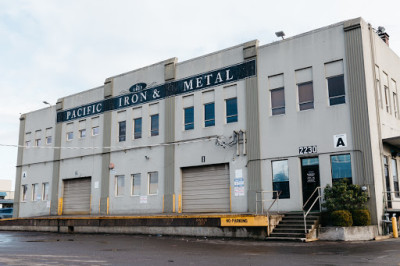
(291, 227)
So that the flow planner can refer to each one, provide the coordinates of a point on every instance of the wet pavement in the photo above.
(37, 248)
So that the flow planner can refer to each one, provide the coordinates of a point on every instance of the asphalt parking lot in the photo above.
(37, 248)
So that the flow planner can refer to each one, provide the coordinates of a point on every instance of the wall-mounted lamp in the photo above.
(280, 34)
(46, 103)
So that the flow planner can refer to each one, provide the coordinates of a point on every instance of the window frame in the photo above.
(38, 142)
(82, 133)
(210, 122)
(95, 129)
(35, 191)
(149, 175)
(280, 107)
(137, 134)
(47, 140)
(154, 131)
(188, 125)
(286, 194)
(45, 192)
(24, 194)
(139, 175)
(300, 86)
(330, 98)
(395, 177)
(232, 116)
(119, 193)
(70, 135)
(349, 179)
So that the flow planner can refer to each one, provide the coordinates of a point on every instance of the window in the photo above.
(189, 118)
(153, 183)
(336, 90)
(70, 136)
(137, 128)
(395, 178)
(45, 191)
(306, 96)
(154, 128)
(280, 178)
(378, 86)
(24, 192)
(119, 185)
(28, 143)
(395, 105)
(38, 142)
(35, 192)
(136, 184)
(48, 140)
(231, 110)
(95, 131)
(82, 133)
(121, 131)
(341, 168)
(278, 101)
(209, 114)
(27, 139)
(387, 99)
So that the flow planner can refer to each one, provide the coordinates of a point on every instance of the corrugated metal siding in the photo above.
(77, 196)
(361, 135)
(206, 189)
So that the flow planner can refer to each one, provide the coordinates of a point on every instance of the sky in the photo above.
(53, 48)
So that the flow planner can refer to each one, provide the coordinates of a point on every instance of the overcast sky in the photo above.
(54, 48)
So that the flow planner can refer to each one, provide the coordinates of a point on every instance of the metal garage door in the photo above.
(206, 189)
(77, 196)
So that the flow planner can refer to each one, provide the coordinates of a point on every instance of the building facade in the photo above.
(210, 133)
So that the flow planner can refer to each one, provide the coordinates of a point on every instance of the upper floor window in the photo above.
(70, 135)
(336, 90)
(306, 96)
(121, 131)
(48, 140)
(231, 110)
(38, 142)
(154, 127)
(278, 101)
(95, 131)
(209, 114)
(189, 118)
(82, 133)
(137, 128)
(24, 192)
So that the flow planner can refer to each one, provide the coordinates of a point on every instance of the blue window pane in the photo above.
(310, 161)
(122, 131)
(137, 128)
(231, 110)
(209, 115)
(154, 125)
(189, 118)
(341, 166)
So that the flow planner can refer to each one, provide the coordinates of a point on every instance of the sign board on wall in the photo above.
(339, 141)
(238, 183)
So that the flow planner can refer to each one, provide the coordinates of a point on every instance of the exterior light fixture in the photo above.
(280, 34)
(45, 102)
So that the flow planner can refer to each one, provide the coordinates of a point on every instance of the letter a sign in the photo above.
(340, 141)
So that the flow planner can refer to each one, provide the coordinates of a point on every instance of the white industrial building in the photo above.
(207, 134)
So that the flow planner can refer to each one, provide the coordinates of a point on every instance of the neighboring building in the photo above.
(206, 134)
(6, 195)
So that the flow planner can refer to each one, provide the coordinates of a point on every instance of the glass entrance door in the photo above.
(310, 178)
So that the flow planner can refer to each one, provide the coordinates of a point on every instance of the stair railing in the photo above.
(306, 212)
(262, 200)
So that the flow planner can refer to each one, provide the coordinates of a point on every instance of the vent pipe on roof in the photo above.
(383, 35)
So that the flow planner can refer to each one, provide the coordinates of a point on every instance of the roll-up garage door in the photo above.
(206, 189)
(77, 196)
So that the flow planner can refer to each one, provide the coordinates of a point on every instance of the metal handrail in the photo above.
(278, 193)
(312, 205)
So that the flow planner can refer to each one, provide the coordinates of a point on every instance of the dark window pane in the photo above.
(280, 178)
(306, 96)
(189, 118)
(336, 90)
(138, 128)
(278, 101)
(122, 131)
(231, 110)
(154, 125)
(209, 115)
(283, 188)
